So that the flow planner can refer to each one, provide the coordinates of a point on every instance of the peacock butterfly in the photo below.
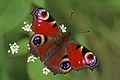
(54, 48)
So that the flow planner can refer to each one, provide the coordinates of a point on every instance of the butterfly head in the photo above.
(41, 14)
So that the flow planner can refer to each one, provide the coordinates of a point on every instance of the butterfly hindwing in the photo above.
(59, 63)
(71, 56)
(80, 57)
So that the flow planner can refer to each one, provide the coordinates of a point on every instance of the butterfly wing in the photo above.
(45, 32)
(80, 57)
(40, 45)
(59, 63)
(71, 56)
(62, 57)
(44, 23)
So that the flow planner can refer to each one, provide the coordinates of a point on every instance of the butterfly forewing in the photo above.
(44, 24)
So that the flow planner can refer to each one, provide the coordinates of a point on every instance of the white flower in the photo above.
(27, 27)
(46, 71)
(28, 46)
(13, 48)
(63, 28)
(31, 58)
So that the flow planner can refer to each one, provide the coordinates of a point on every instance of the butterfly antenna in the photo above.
(72, 14)
(87, 31)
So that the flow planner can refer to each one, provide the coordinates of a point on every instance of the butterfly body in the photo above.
(55, 49)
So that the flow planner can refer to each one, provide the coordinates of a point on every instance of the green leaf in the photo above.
(23, 46)
(39, 2)
(12, 13)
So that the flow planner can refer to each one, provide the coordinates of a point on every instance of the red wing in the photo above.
(40, 45)
(59, 63)
(44, 23)
(52, 52)
(80, 57)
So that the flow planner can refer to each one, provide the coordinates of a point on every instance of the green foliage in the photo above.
(12, 13)
(101, 17)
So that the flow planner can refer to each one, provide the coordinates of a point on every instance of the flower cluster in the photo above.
(13, 48)
(63, 28)
(27, 27)
(46, 71)
(31, 58)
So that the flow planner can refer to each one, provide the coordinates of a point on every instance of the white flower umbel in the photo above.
(13, 48)
(46, 71)
(27, 27)
(63, 28)
(31, 58)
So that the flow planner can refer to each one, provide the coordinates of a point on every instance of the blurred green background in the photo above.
(102, 17)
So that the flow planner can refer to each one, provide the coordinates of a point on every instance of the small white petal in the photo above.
(31, 59)
(28, 44)
(27, 27)
(24, 22)
(28, 48)
(16, 51)
(12, 52)
(28, 61)
(63, 28)
(46, 71)
(10, 44)
(9, 51)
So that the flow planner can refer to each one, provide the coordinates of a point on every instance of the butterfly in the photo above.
(54, 48)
